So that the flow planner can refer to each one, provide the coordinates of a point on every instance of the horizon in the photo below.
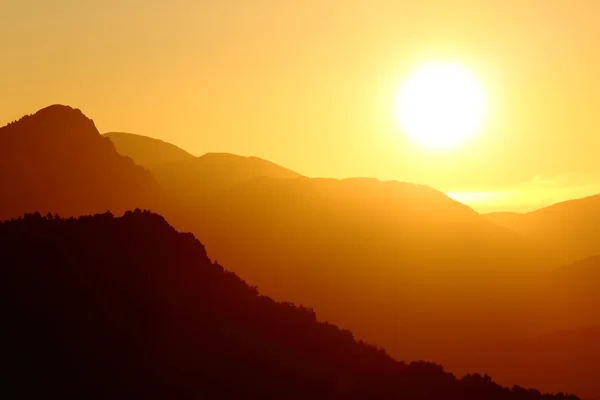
(317, 85)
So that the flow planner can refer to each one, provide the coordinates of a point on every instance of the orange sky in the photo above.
(311, 84)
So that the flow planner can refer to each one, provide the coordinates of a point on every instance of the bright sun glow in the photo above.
(441, 106)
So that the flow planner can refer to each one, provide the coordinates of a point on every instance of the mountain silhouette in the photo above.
(571, 226)
(147, 151)
(191, 178)
(101, 307)
(194, 180)
(56, 161)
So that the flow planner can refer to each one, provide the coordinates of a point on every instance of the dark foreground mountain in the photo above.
(127, 308)
(56, 161)
(573, 226)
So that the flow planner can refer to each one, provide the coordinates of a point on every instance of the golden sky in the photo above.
(311, 84)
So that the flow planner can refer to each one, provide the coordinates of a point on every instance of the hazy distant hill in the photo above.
(586, 273)
(191, 178)
(572, 226)
(195, 179)
(147, 151)
(102, 307)
(564, 360)
(56, 161)
(578, 285)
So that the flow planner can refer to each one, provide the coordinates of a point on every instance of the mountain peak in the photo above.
(58, 108)
(52, 121)
(55, 160)
(55, 111)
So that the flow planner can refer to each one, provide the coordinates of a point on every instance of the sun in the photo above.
(441, 105)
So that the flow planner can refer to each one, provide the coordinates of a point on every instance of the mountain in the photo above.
(572, 226)
(569, 358)
(101, 307)
(564, 359)
(578, 287)
(147, 151)
(395, 262)
(192, 178)
(400, 264)
(56, 161)
(583, 274)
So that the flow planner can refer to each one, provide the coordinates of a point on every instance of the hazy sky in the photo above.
(311, 84)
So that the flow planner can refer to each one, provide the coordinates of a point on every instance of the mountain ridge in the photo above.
(573, 226)
(146, 151)
(190, 178)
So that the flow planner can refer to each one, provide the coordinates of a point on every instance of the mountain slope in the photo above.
(572, 226)
(568, 358)
(564, 359)
(395, 262)
(102, 307)
(193, 180)
(56, 161)
(147, 151)
(578, 287)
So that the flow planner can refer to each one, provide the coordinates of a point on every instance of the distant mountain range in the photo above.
(572, 227)
(400, 264)
(578, 285)
(190, 178)
(380, 257)
(102, 307)
(564, 360)
(147, 151)
(375, 256)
